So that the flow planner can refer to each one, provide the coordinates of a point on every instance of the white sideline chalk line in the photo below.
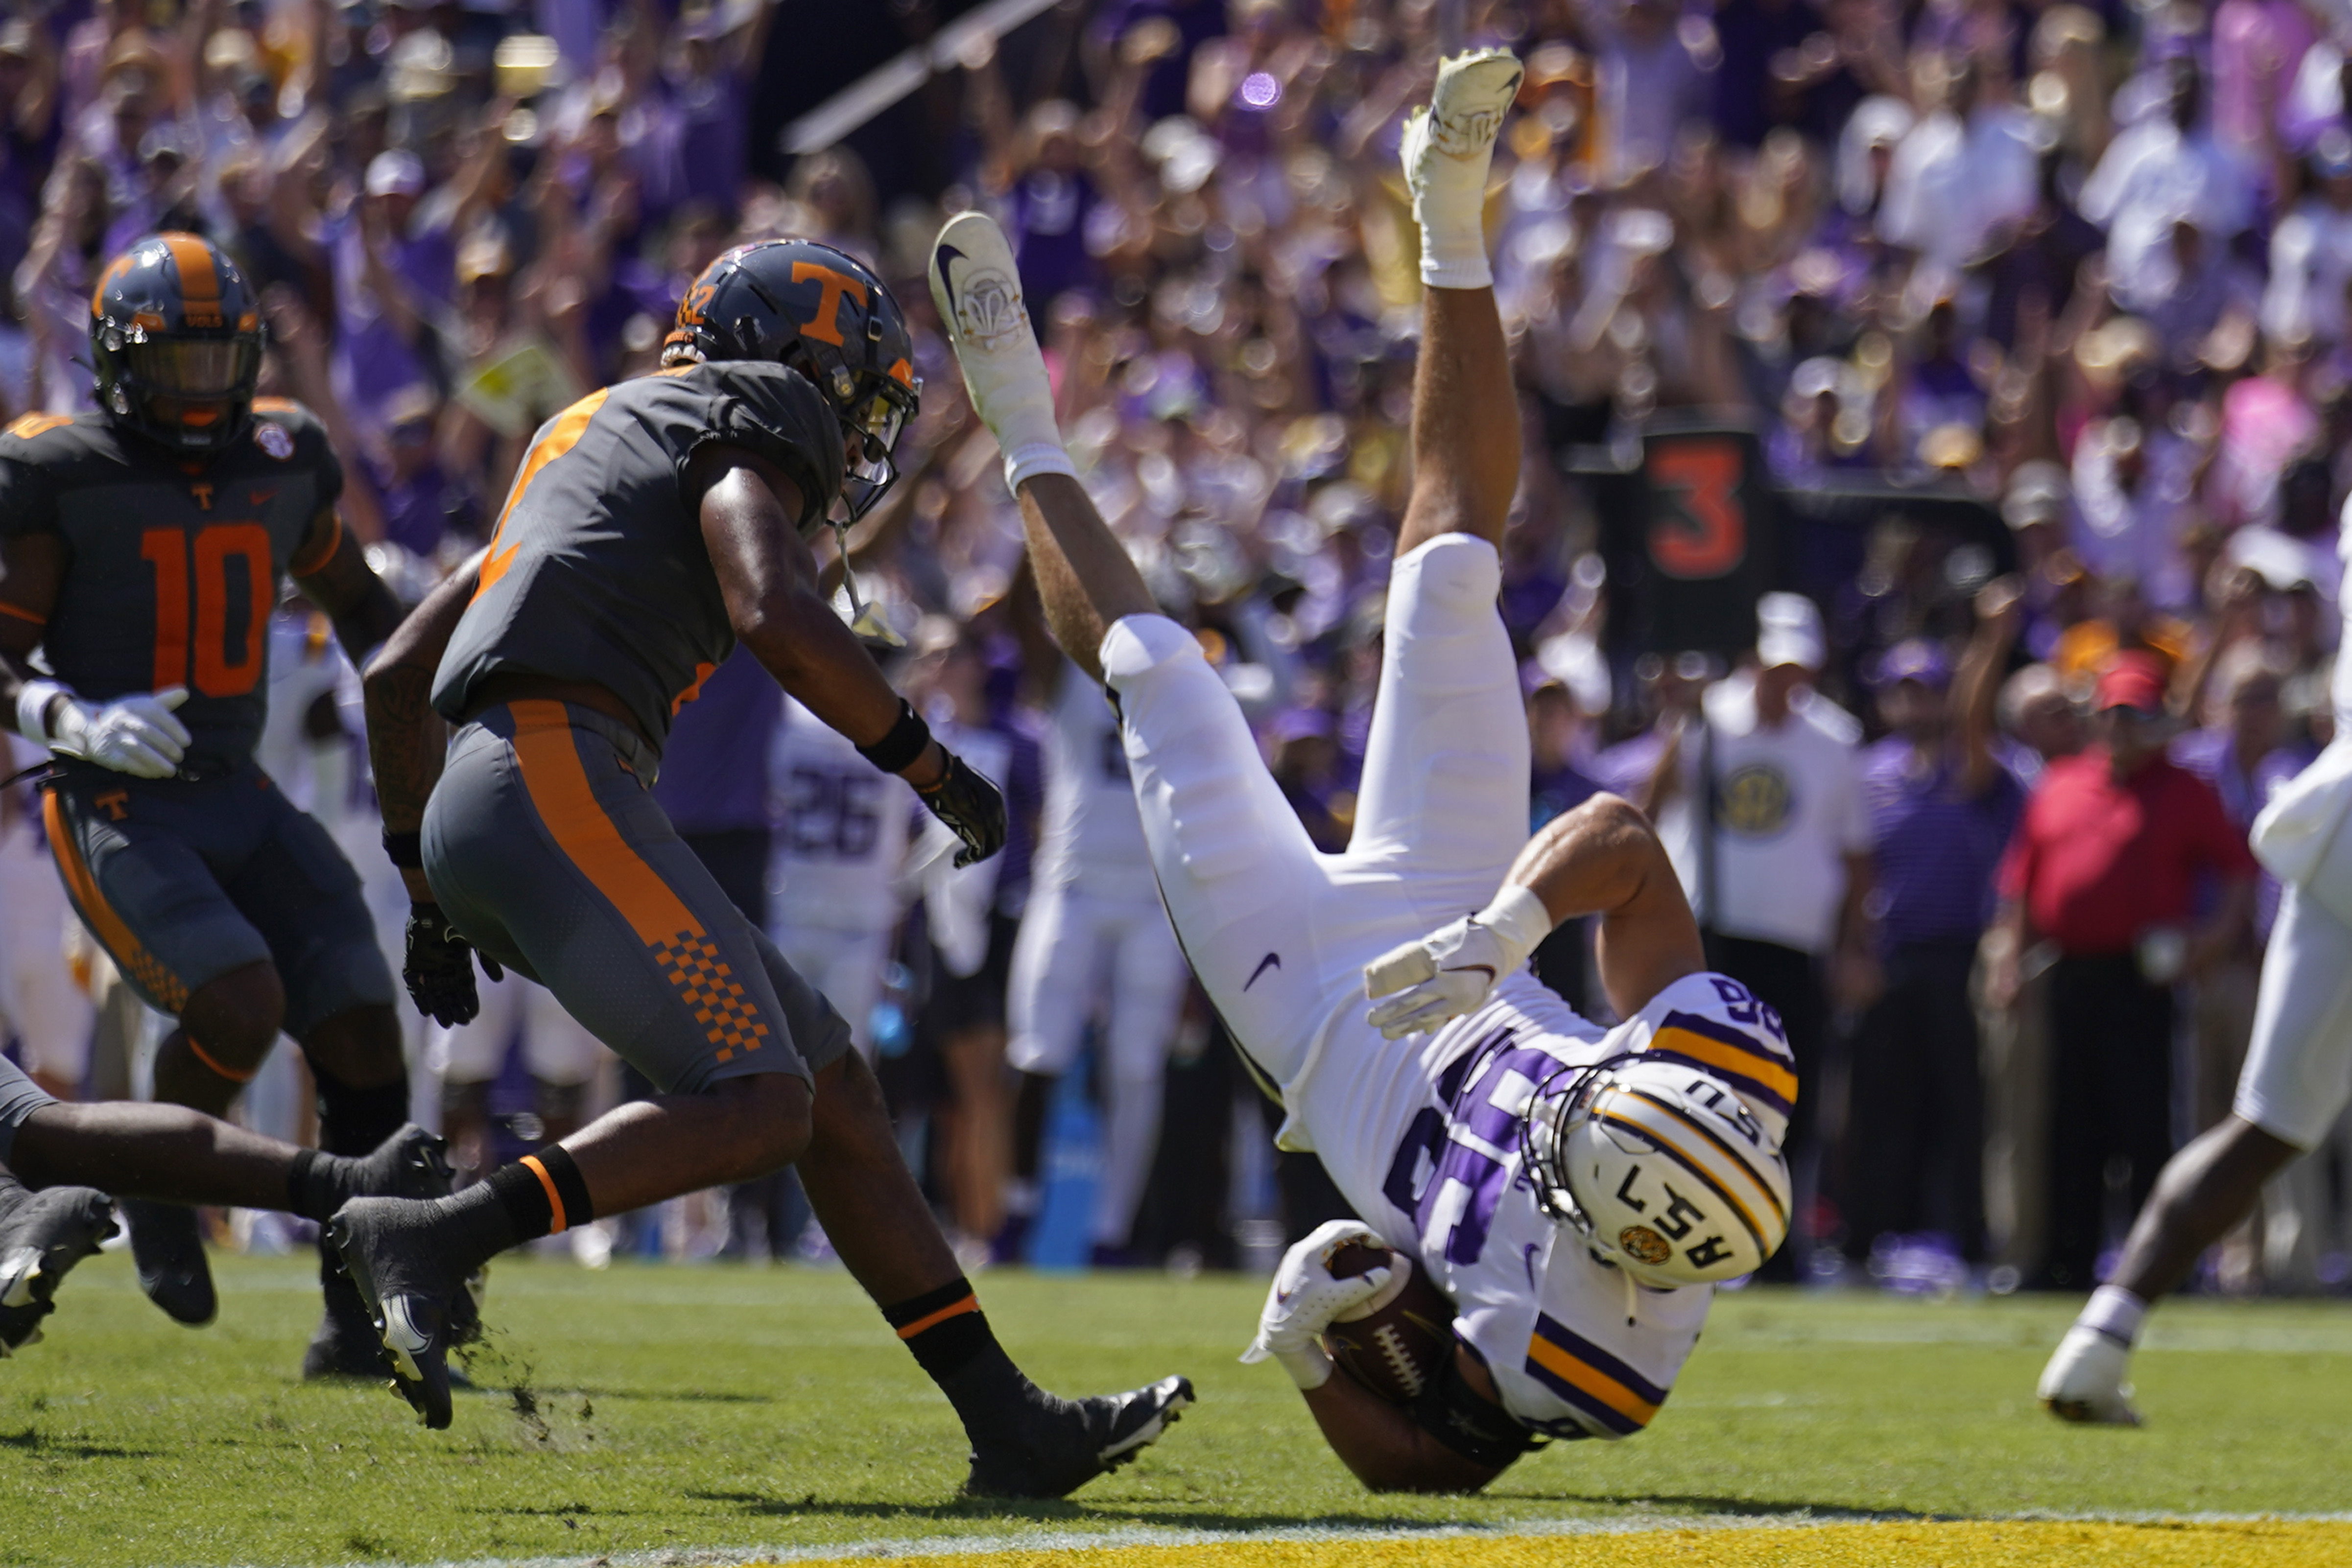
(980, 1546)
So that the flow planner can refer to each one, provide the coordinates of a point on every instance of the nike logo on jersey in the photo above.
(1271, 961)
(260, 497)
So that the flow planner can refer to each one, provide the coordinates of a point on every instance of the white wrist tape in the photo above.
(1032, 458)
(1308, 1365)
(1517, 916)
(32, 707)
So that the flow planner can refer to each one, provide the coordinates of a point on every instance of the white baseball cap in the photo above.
(1789, 632)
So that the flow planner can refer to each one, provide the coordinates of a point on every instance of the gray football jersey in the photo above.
(597, 571)
(174, 564)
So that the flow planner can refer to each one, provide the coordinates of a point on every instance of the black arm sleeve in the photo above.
(1467, 1422)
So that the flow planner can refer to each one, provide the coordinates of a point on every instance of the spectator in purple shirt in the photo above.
(1941, 808)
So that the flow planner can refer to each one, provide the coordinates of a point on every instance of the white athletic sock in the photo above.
(2115, 1312)
(1447, 150)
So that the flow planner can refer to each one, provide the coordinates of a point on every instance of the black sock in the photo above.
(542, 1194)
(951, 1339)
(352, 1124)
(354, 1121)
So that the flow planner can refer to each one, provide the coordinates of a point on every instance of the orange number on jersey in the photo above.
(167, 549)
(220, 670)
(1702, 531)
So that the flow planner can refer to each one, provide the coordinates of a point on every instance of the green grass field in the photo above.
(715, 1408)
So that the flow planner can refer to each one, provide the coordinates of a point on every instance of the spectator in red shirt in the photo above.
(2105, 867)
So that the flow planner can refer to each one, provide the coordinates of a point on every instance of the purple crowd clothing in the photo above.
(1046, 214)
(1936, 848)
(1555, 790)
(372, 362)
(714, 771)
(714, 121)
(1751, 33)
(424, 508)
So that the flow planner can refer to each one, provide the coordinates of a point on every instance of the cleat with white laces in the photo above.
(42, 1236)
(1053, 1447)
(418, 1301)
(977, 286)
(2085, 1380)
(1446, 150)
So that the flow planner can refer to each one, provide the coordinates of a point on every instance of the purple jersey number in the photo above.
(1443, 1169)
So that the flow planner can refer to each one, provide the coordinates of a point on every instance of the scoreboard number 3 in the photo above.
(1697, 527)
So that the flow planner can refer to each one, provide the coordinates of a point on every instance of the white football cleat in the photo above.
(1447, 148)
(976, 287)
(2085, 1380)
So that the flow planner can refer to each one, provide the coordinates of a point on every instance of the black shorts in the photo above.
(976, 1000)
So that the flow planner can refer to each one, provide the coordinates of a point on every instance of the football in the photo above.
(1392, 1343)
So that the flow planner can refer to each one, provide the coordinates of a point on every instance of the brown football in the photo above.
(1392, 1343)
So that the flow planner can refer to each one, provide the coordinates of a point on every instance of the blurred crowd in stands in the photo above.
(1966, 799)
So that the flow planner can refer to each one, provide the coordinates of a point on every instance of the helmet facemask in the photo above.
(1636, 1154)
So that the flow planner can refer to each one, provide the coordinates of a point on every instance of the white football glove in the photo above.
(135, 735)
(1448, 973)
(1304, 1297)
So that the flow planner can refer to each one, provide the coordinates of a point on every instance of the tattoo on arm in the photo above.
(404, 744)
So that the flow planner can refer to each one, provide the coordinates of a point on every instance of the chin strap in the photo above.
(865, 620)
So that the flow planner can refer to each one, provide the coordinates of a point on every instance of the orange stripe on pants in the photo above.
(132, 959)
(566, 802)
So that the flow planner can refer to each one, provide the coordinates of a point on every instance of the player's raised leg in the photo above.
(1442, 804)
(1465, 411)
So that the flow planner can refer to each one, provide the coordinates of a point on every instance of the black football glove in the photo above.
(439, 971)
(970, 804)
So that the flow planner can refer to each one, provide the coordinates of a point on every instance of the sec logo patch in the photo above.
(1755, 800)
(273, 439)
(1644, 1245)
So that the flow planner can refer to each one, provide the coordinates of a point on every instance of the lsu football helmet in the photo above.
(1659, 1167)
(823, 313)
(175, 341)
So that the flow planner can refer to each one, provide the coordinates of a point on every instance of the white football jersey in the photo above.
(1091, 835)
(305, 664)
(1422, 1135)
(841, 829)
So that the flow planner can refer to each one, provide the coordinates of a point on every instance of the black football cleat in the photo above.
(1056, 1445)
(418, 1303)
(43, 1235)
(411, 1163)
(170, 1253)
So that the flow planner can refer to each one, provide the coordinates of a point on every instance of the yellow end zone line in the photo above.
(2189, 1543)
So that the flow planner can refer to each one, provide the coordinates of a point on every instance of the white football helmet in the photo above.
(1660, 1167)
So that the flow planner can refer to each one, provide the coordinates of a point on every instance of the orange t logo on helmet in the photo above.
(826, 328)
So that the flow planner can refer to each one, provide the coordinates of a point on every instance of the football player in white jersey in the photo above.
(2295, 1082)
(1095, 945)
(1574, 1192)
(843, 829)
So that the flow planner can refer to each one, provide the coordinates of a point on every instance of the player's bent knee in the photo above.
(1459, 570)
(768, 1122)
(360, 1046)
(235, 1016)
